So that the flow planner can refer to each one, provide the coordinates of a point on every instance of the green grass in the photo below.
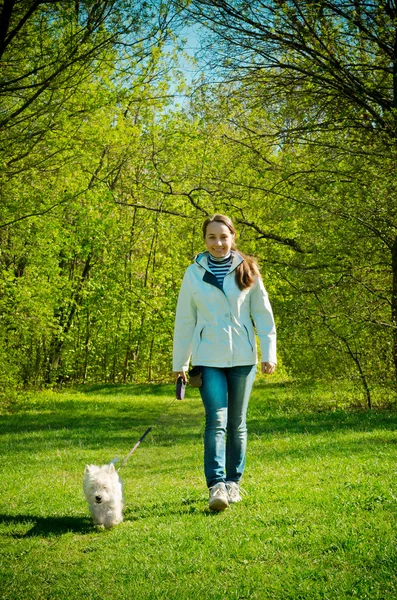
(318, 521)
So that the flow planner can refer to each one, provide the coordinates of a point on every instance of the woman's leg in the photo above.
(214, 395)
(239, 382)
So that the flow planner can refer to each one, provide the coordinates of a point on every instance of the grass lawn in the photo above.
(318, 520)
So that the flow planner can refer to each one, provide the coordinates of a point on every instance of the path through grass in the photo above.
(318, 521)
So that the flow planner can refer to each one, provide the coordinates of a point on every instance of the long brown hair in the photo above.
(248, 269)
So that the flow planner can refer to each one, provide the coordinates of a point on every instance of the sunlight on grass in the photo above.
(317, 521)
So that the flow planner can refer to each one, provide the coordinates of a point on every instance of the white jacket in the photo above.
(214, 326)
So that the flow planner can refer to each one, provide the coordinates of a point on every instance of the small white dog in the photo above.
(103, 490)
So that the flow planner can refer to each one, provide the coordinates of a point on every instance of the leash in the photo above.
(134, 448)
(179, 396)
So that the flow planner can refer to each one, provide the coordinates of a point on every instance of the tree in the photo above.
(49, 46)
(73, 74)
(327, 74)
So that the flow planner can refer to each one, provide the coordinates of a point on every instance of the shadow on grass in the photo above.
(104, 415)
(266, 422)
(128, 389)
(44, 526)
(27, 526)
(192, 506)
(99, 422)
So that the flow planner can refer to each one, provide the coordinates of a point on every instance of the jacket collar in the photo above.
(202, 260)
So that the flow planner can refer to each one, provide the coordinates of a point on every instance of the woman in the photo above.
(221, 293)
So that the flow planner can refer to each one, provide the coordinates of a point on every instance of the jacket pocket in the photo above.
(248, 337)
(199, 339)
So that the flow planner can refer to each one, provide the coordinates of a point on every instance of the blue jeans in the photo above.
(225, 394)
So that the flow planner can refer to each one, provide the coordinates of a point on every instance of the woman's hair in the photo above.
(248, 269)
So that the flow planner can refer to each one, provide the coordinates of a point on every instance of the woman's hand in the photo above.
(268, 368)
(180, 374)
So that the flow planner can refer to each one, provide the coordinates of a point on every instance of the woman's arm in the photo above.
(262, 314)
(185, 323)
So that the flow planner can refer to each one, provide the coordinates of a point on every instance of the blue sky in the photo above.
(192, 36)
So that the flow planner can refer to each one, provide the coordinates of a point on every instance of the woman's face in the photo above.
(218, 239)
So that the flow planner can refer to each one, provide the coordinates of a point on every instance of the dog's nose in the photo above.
(98, 498)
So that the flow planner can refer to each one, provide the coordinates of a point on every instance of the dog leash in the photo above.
(180, 393)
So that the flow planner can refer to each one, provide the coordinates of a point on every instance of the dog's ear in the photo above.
(88, 468)
(111, 468)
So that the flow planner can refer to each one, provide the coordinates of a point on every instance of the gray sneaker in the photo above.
(219, 499)
(233, 492)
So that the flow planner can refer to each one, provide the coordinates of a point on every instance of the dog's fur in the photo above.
(103, 490)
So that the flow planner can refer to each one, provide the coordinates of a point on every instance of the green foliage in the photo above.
(65, 245)
(106, 182)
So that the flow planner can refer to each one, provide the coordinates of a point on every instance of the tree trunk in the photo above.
(355, 358)
(150, 370)
(58, 342)
(86, 345)
(127, 353)
(394, 305)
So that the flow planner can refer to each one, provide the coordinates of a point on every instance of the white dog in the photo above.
(103, 490)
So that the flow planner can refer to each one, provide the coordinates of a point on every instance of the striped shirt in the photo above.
(220, 267)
